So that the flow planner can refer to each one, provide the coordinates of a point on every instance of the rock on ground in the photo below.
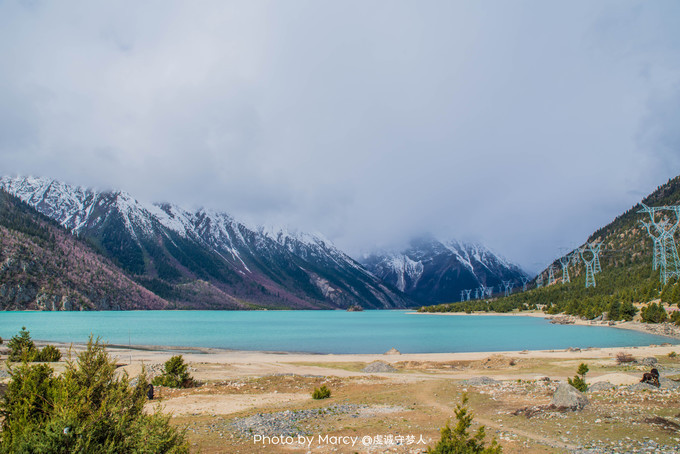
(566, 396)
(392, 351)
(480, 381)
(600, 386)
(378, 367)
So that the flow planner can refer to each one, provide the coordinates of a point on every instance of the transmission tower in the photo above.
(576, 257)
(462, 295)
(564, 261)
(590, 272)
(467, 294)
(551, 275)
(477, 293)
(489, 291)
(508, 287)
(662, 232)
(525, 280)
(595, 248)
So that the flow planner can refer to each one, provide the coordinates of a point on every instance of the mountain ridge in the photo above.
(205, 255)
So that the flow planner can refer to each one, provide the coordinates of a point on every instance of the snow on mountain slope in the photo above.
(433, 271)
(168, 247)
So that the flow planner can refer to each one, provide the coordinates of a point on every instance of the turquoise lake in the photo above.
(319, 331)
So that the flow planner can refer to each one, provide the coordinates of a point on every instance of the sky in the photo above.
(524, 125)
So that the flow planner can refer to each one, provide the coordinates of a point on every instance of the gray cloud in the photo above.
(525, 125)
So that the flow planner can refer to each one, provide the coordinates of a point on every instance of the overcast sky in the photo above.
(525, 125)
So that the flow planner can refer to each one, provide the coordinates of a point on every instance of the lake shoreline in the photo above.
(661, 329)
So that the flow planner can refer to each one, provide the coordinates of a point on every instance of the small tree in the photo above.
(321, 393)
(175, 374)
(654, 313)
(21, 347)
(579, 381)
(459, 441)
(86, 410)
(48, 354)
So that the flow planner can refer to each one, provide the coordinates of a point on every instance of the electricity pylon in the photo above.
(590, 272)
(462, 295)
(551, 275)
(508, 287)
(525, 280)
(489, 291)
(467, 294)
(564, 261)
(477, 293)
(665, 256)
(595, 248)
(576, 257)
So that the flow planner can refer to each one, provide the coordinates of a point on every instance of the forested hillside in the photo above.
(627, 275)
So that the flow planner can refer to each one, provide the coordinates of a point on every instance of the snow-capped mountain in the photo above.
(433, 271)
(206, 258)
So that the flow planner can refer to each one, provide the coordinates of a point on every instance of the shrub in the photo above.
(175, 374)
(624, 358)
(672, 355)
(84, 410)
(459, 441)
(654, 313)
(48, 354)
(579, 380)
(321, 393)
(21, 347)
(675, 318)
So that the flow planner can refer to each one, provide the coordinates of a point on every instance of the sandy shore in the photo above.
(666, 329)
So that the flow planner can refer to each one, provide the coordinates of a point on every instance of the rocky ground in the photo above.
(252, 403)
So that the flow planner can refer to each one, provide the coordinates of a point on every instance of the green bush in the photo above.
(672, 355)
(48, 354)
(86, 410)
(175, 374)
(321, 393)
(459, 441)
(653, 313)
(21, 347)
(579, 380)
(675, 317)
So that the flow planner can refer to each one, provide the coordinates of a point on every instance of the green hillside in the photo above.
(627, 276)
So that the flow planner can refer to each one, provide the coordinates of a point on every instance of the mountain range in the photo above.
(205, 259)
(435, 271)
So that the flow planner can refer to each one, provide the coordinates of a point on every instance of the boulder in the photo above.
(600, 386)
(649, 361)
(480, 381)
(641, 386)
(667, 383)
(392, 351)
(568, 397)
(378, 367)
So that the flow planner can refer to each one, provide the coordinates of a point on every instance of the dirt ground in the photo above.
(253, 402)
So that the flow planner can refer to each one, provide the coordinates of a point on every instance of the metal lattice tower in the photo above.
(576, 257)
(508, 287)
(467, 294)
(539, 281)
(655, 231)
(595, 248)
(525, 280)
(489, 291)
(477, 293)
(662, 233)
(564, 261)
(590, 272)
(462, 295)
(551, 275)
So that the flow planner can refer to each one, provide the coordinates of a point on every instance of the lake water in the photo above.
(319, 331)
